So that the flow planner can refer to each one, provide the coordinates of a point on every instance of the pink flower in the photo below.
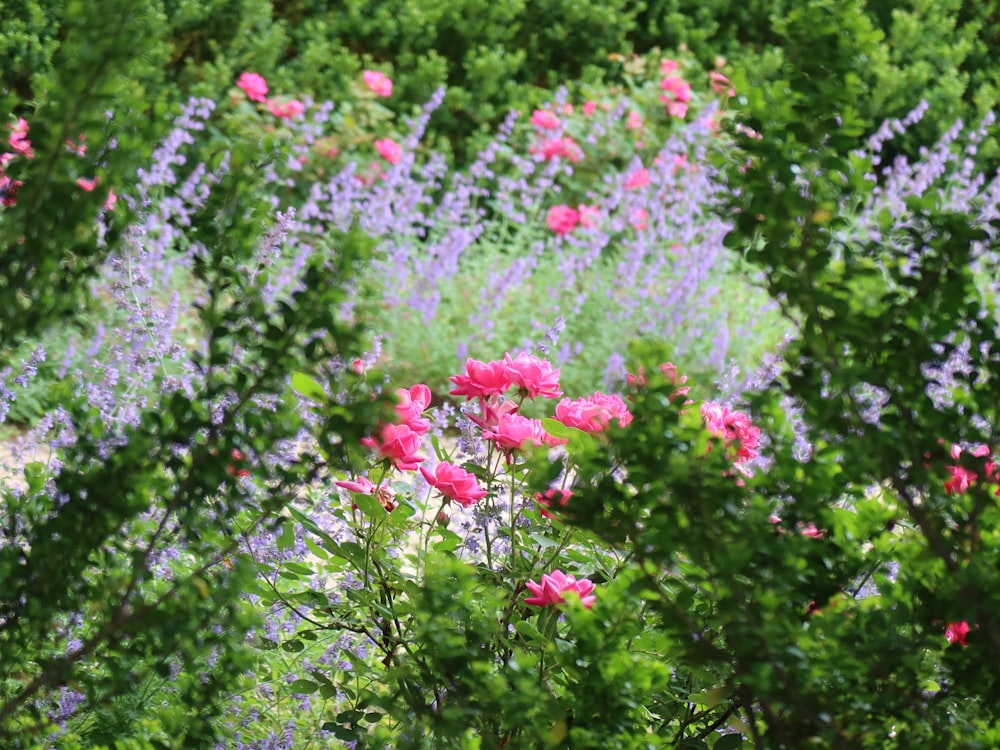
(389, 150)
(956, 632)
(553, 148)
(668, 66)
(399, 443)
(512, 431)
(557, 583)
(810, 530)
(481, 379)
(80, 148)
(545, 500)
(412, 403)
(677, 95)
(638, 218)
(594, 413)
(455, 483)
(109, 204)
(590, 216)
(19, 138)
(634, 121)
(490, 412)
(562, 219)
(362, 485)
(286, 110)
(533, 375)
(8, 190)
(721, 84)
(638, 179)
(540, 118)
(86, 184)
(254, 86)
(961, 480)
(589, 108)
(378, 83)
(730, 426)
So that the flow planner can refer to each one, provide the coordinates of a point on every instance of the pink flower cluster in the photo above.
(962, 478)
(593, 413)
(557, 148)
(676, 91)
(956, 632)
(20, 144)
(545, 120)
(732, 426)
(255, 87)
(378, 83)
(564, 219)
(400, 442)
(555, 585)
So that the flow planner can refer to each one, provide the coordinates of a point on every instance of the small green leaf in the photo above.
(306, 386)
(304, 687)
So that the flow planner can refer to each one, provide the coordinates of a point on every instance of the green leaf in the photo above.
(729, 742)
(304, 687)
(306, 386)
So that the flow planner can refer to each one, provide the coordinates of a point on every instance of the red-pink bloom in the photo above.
(8, 190)
(79, 148)
(730, 426)
(668, 66)
(545, 120)
(638, 179)
(554, 585)
(378, 83)
(86, 184)
(957, 631)
(562, 219)
(399, 443)
(286, 110)
(594, 413)
(634, 121)
(254, 86)
(677, 94)
(590, 216)
(412, 403)
(638, 220)
(589, 108)
(19, 138)
(112, 199)
(481, 379)
(558, 496)
(512, 431)
(490, 412)
(810, 530)
(532, 375)
(721, 84)
(389, 150)
(552, 148)
(961, 479)
(455, 483)
(362, 485)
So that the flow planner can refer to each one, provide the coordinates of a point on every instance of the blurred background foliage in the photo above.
(494, 56)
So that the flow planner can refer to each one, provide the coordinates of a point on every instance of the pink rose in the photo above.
(286, 110)
(8, 190)
(638, 220)
(634, 121)
(389, 150)
(594, 413)
(378, 83)
(730, 426)
(545, 500)
(721, 84)
(112, 199)
(677, 94)
(87, 185)
(481, 379)
(490, 412)
(589, 108)
(961, 480)
(557, 583)
(553, 148)
(638, 179)
(533, 375)
(668, 66)
(254, 86)
(590, 216)
(957, 631)
(19, 138)
(455, 483)
(512, 431)
(540, 118)
(412, 403)
(399, 443)
(562, 219)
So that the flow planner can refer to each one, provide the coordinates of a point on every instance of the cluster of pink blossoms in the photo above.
(255, 87)
(564, 219)
(963, 478)
(676, 91)
(732, 426)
